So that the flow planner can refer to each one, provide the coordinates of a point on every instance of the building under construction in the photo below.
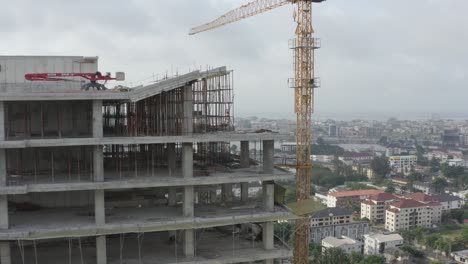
(138, 175)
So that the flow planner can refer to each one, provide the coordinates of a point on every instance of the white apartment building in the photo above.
(374, 207)
(402, 163)
(347, 244)
(375, 244)
(408, 213)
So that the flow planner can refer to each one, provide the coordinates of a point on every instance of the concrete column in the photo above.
(268, 190)
(101, 250)
(97, 119)
(188, 203)
(268, 151)
(171, 164)
(244, 191)
(98, 174)
(5, 254)
(189, 242)
(268, 236)
(187, 160)
(98, 164)
(244, 155)
(2, 121)
(99, 207)
(188, 110)
(226, 192)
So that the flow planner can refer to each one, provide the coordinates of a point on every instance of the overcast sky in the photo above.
(395, 57)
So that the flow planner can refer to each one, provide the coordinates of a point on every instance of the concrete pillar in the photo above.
(171, 164)
(187, 160)
(99, 207)
(268, 152)
(244, 191)
(244, 155)
(97, 119)
(268, 189)
(172, 196)
(98, 164)
(226, 192)
(188, 109)
(98, 174)
(189, 242)
(188, 203)
(2, 121)
(268, 236)
(5, 253)
(101, 250)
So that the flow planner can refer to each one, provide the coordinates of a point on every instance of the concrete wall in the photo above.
(13, 69)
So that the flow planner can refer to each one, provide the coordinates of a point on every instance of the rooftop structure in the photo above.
(137, 175)
(348, 198)
(347, 244)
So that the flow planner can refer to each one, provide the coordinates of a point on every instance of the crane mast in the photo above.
(303, 47)
(304, 82)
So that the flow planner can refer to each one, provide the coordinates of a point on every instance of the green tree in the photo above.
(332, 256)
(355, 257)
(439, 184)
(435, 165)
(390, 188)
(373, 259)
(380, 166)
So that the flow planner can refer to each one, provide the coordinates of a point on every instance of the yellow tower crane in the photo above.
(303, 83)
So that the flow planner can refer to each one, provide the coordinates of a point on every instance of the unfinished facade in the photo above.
(143, 175)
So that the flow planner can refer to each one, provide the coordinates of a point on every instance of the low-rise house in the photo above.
(336, 222)
(424, 187)
(460, 256)
(331, 216)
(376, 244)
(347, 199)
(374, 207)
(347, 244)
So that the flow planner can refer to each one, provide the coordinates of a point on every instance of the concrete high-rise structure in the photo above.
(140, 175)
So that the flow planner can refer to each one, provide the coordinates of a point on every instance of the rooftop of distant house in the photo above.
(336, 242)
(385, 237)
(332, 211)
(355, 193)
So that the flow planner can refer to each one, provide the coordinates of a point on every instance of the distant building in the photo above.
(424, 187)
(332, 130)
(451, 137)
(448, 202)
(288, 146)
(408, 213)
(374, 207)
(347, 244)
(348, 198)
(373, 132)
(403, 163)
(376, 244)
(356, 157)
(322, 158)
(460, 256)
(331, 216)
(355, 230)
